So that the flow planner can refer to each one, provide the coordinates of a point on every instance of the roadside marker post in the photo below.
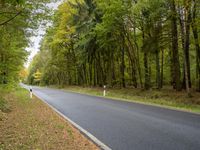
(104, 91)
(31, 93)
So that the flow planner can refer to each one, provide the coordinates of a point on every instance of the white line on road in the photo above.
(85, 132)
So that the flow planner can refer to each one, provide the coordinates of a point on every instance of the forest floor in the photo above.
(165, 98)
(30, 124)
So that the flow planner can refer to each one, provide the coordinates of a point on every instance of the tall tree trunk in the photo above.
(123, 64)
(85, 74)
(133, 66)
(113, 70)
(146, 72)
(90, 73)
(94, 74)
(196, 39)
(133, 59)
(157, 34)
(175, 54)
(100, 71)
(182, 31)
(187, 45)
(138, 58)
(158, 77)
(150, 73)
(162, 66)
(146, 66)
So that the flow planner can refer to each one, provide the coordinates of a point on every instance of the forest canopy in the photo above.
(121, 43)
(18, 21)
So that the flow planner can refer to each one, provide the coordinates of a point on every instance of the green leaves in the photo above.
(115, 42)
(18, 18)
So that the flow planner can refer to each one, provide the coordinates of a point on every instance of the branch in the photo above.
(5, 22)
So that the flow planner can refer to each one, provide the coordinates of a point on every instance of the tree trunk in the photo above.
(182, 31)
(162, 65)
(146, 66)
(146, 70)
(113, 70)
(90, 73)
(156, 34)
(158, 77)
(187, 46)
(138, 58)
(133, 59)
(175, 54)
(133, 67)
(196, 39)
(94, 74)
(123, 64)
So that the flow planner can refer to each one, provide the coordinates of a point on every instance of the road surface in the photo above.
(127, 126)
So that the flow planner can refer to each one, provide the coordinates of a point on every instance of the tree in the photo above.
(18, 19)
(121, 44)
(175, 54)
(194, 25)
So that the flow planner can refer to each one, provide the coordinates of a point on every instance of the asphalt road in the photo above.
(124, 125)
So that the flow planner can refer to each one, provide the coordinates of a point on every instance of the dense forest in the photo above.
(121, 43)
(18, 21)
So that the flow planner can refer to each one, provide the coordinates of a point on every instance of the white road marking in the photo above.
(85, 132)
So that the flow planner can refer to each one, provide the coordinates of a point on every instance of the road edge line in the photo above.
(87, 134)
(134, 101)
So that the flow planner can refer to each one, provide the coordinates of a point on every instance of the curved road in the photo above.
(127, 126)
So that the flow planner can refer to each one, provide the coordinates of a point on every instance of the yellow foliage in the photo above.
(37, 76)
(23, 73)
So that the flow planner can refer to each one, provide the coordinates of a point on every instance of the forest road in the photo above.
(124, 125)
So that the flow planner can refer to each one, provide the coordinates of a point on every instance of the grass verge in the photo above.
(31, 124)
(165, 98)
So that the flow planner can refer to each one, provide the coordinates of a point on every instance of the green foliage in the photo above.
(18, 21)
(115, 42)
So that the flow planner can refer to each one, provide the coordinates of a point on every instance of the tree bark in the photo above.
(123, 64)
(158, 77)
(196, 39)
(175, 54)
(187, 45)
(162, 66)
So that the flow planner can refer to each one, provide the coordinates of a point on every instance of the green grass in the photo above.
(22, 96)
(165, 98)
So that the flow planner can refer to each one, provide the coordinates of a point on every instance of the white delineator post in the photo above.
(104, 90)
(31, 93)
